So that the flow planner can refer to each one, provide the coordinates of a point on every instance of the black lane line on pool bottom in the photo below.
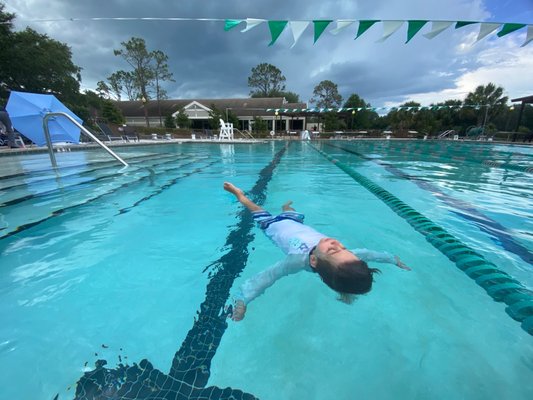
(61, 211)
(497, 232)
(191, 365)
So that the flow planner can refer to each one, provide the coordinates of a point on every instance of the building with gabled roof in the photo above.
(246, 109)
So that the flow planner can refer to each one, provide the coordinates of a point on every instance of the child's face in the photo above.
(332, 249)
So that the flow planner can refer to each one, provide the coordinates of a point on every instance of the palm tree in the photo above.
(491, 100)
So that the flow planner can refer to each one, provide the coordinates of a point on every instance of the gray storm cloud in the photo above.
(208, 62)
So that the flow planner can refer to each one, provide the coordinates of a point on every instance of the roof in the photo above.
(243, 106)
(527, 99)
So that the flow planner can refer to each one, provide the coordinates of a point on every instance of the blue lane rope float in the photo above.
(498, 284)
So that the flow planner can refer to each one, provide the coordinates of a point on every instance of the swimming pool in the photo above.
(130, 271)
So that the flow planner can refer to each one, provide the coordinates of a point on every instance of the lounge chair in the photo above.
(106, 130)
(129, 134)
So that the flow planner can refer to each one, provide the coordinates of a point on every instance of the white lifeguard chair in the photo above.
(226, 130)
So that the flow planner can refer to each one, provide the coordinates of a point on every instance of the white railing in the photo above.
(446, 133)
(83, 129)
(245, 134)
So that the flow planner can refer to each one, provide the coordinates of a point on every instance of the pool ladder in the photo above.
(83, 129)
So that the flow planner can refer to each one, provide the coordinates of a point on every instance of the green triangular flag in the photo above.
(276, 27)
(413, 28)
(320, 25)
(508, 28)
(231, 23)
(460, 24)
(364, 25)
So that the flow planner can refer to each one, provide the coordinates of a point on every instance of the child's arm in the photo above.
(381, 257)
(256, 285)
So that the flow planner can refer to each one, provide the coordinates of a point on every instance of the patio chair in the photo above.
(106, 130)
(129, 134)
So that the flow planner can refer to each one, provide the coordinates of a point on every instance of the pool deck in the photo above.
(5, 151)
(86, 146)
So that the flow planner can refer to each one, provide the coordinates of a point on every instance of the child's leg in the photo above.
(245, 201)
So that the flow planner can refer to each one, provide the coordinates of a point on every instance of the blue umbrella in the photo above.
(27, 111)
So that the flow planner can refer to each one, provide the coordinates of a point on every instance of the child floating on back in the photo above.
(344, 271)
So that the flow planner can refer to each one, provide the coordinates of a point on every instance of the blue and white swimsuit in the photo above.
(295, 239)
(288, 231)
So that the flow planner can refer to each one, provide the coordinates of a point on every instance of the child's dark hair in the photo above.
(354, 277)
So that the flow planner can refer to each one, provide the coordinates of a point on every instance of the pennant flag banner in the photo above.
(438, 27)
(297, 27)
(350, 109)
(486, 29)
(390, 27)
(276, 27)
(529, 37)
(252, 23)
(342, 24)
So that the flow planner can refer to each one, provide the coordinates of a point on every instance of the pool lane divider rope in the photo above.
(460, 207)
(498, 284)
(465, 155)
(191, 365)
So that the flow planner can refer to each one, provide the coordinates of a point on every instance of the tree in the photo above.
(403, 117)
(6, 34)
(259, 124)
(36, 63)
(103, 89)
(326, 95)
(161, 74)
(332, 122)
(169, 121)
(291, 97)
(360, 118)
(266, 80)
(182, 119)
(134, 52)
(491, 98)
(111, 113)
(127, 80)
(215, 115)
(233, 119)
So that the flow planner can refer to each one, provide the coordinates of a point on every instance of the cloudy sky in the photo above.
(210, 63)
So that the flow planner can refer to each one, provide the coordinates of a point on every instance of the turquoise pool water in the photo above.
(124, 266)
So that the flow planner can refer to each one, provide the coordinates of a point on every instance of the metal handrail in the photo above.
(83, 129)
(248, 135)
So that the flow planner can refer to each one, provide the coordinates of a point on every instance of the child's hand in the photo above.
(400, 264)
(239, 309)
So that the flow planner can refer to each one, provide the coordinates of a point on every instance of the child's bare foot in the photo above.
(287, 206)
(230, 187)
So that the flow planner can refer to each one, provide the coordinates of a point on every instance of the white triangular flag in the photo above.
(529, 36)
(485, 28)
(252, 23)
(341, 24)
(297, 28)
(389, 27)
(437, 27)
